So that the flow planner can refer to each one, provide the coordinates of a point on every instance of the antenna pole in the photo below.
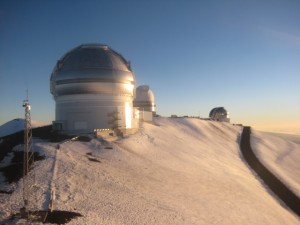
(28, 157)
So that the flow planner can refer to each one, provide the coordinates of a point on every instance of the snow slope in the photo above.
(280, 156)
(174, 171)
(16, 125)
(286, 136)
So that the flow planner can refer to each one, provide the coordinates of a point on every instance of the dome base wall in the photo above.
(84, 114)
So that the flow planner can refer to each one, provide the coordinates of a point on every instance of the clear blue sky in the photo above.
(195, 55)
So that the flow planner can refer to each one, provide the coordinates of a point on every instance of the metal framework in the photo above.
(28, 181)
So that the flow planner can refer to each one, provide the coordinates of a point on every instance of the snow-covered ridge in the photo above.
(173, 171)
(17, 125)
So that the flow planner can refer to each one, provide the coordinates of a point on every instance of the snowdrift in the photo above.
(173, 171)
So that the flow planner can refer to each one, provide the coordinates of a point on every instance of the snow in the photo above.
(173, 171)
(280, 156)
(16, 125)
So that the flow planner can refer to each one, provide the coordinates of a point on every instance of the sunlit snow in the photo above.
(173, 171)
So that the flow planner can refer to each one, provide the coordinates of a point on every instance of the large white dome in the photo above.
(91, 68)
(93, 87)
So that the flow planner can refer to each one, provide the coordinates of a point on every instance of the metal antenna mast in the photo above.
(28, 157)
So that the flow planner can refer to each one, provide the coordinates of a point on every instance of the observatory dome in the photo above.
(91, 84)
(84, 69)
(144, 99)
(219, 114)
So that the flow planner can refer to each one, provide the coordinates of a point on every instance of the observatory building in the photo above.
(219, 114)
(144, 99)
(93, 88)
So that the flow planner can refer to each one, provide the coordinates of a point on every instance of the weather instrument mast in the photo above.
(28, 158)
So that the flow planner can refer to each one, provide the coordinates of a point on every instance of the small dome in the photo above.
(144, 94)
(144, 99)
(219, 114)
(81, 68)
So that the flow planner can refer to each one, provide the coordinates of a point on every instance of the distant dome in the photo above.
(144, 94)
(89, 63)
(219, 114)
(144, 98)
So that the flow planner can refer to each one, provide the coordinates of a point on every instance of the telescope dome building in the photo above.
(219, 114)
(144, 99)
(93, 88)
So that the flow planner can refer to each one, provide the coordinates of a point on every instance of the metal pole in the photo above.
(28, 156)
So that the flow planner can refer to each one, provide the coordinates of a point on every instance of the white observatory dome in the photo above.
(144, 99)
(93, 87)
(219, 114)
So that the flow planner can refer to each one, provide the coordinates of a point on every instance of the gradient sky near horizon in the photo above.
(195, 55)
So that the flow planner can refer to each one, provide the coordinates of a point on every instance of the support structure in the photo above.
(28, 159)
